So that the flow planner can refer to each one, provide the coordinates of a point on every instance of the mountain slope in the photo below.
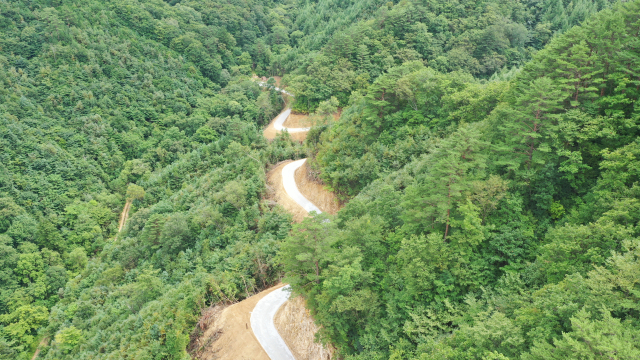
(486, 220)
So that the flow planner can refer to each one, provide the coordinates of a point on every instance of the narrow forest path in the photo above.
(40, 345)
(124, 215)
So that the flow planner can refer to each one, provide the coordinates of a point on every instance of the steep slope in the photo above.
(486, 220)
(98, 95)
(227, 333)
(297, 328)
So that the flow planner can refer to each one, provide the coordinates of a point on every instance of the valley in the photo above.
(224, 335)
(472, 166)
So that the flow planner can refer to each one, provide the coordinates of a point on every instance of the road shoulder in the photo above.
(229, 336)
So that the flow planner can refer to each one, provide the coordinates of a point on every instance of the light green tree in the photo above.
(68, 338)
(597, 339)
(306, 252)
(134, 192)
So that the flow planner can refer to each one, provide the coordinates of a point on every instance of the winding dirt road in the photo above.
(265, 330)
(290, 186)
(265, 310)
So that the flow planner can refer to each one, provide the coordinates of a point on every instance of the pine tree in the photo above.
(575, 71)
(557, 15)
(305, 253)
(450, 173)
(528, 124)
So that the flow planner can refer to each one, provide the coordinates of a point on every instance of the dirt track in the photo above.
(124, 215)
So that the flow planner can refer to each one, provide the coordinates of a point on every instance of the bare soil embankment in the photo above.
(298, 121)
(227, 333)
(324, 199)
(270, 131)
(303, 120)
(296, 326)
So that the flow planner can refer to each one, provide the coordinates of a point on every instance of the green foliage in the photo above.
(21, 324)
(452, 166)
(591, 339)
(305, 253)
(134, 192)
(328, 107)
(479, 38)
(108, 102)
(488, 149)
(383, 130)
(77, 259)
(508, 228)
(67, 339)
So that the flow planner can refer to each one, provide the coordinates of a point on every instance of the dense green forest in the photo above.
(487, 150)
(103, 102)
(478, 38)
(488, 217)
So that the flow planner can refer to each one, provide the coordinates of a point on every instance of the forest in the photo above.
(487, 218)
(487, 153)
(94, 113)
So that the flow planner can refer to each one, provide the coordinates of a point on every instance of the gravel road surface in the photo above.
(289, 182)
(263, 327)
(265, 310)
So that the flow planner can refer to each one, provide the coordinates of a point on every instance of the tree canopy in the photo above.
(487, 217)
(487, 151)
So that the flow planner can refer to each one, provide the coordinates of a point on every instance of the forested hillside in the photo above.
(488, 218)
(477, 37)
(103, 102)
(487, 151)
